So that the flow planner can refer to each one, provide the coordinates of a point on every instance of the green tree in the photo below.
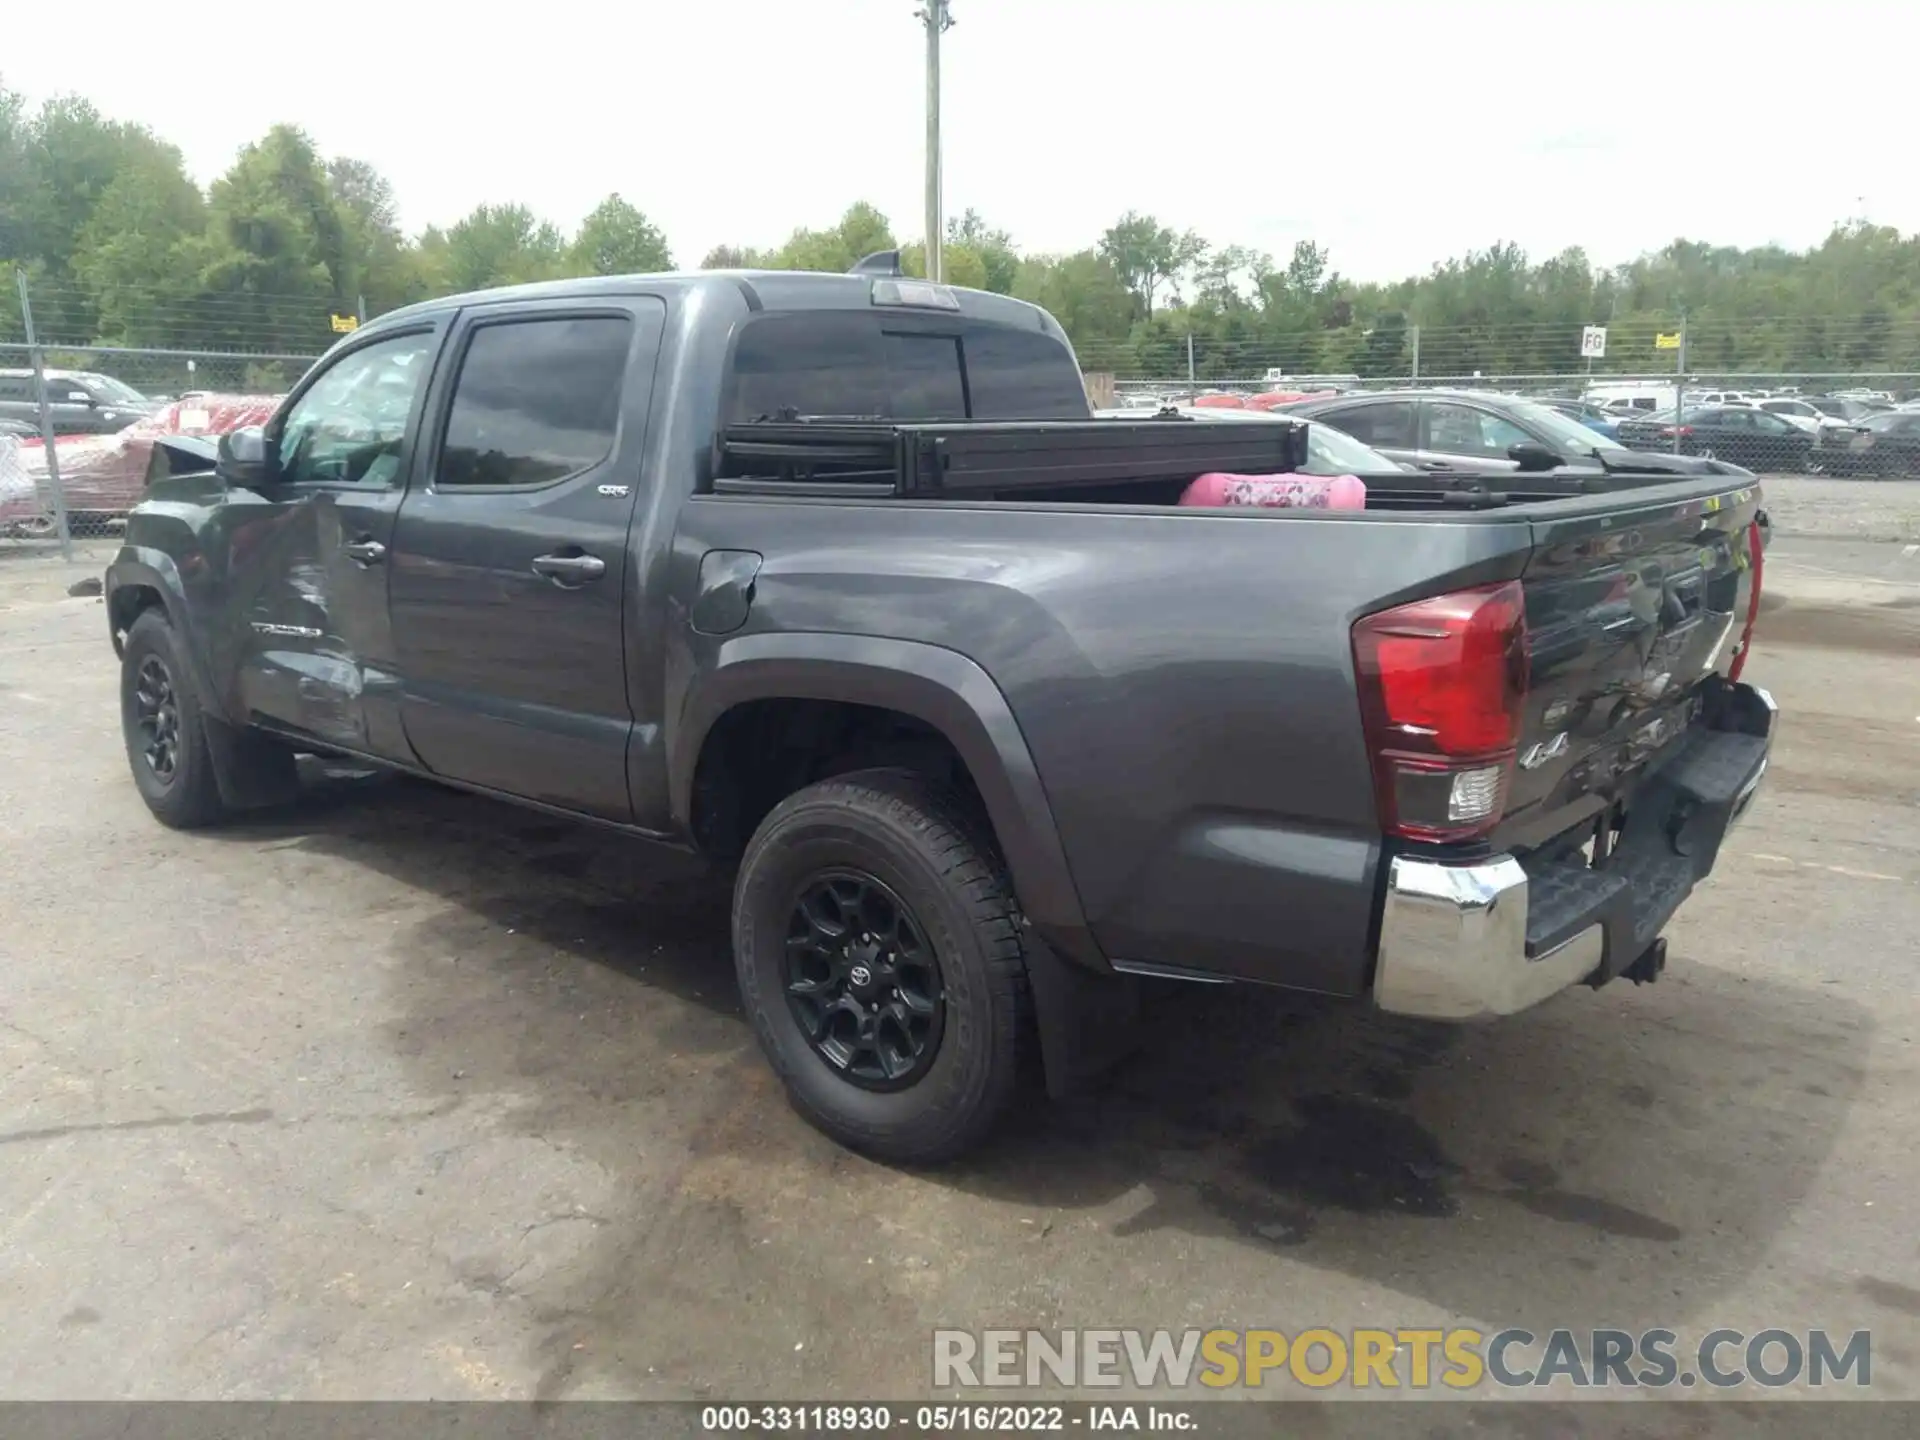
(960, 264)
(730, 257)
(1149, 257)
(380, 266)
(999, 260)
(14, 177)
(131, 254)
(1083, 292)
(273, 261)
(498, 245)
(616, 239)
(861, 231)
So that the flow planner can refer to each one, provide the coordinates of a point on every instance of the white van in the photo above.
(1631, 398)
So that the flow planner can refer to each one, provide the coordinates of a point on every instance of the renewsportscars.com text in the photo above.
(1400, 1359)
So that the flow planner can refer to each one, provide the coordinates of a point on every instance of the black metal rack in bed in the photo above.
(981, 458)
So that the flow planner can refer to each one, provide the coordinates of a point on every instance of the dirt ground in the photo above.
(405, 1093)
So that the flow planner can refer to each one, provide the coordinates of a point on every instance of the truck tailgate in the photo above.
(1631, 604)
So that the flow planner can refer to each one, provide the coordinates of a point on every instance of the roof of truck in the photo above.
(763, 289)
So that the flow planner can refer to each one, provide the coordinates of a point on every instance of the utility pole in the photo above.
(934, 15)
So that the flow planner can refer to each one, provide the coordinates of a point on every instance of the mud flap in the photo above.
(252, 770)
(1087, 1021)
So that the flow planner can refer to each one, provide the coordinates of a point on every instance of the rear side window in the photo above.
(1387, 423)
(856, 364)
(535, 402)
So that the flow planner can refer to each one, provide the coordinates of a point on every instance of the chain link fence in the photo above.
(1879, 352)
(104, 408)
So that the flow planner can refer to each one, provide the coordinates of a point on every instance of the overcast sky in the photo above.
(1393, 132)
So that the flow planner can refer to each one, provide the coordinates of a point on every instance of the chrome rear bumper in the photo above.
(1453, 937)
(1453, 943)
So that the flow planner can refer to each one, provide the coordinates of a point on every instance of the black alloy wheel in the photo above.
(862, 981)
(156, 715)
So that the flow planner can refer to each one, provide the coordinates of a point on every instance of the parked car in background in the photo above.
(1840, 407)
(1595, 417)
(1793, 407)
(1275, 399)
(104, 476)
(81, 402)
(1738, 434)
(1473, 431)
(1631, 397)
(1329, 451)
(1890, 445)
(1832, 433)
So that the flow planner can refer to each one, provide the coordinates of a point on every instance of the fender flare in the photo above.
(142, 567)
(940, 687)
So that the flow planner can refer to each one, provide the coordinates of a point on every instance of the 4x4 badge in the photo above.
(1538, 755)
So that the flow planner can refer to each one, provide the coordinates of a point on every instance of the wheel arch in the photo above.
(939, 688)
(142, 578)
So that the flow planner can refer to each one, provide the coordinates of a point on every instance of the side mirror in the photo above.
(1532, 455)
(244, 458)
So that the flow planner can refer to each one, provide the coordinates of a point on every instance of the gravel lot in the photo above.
(1813, 505)
(404, 1093)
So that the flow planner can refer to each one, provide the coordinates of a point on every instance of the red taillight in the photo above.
(1442, 683)
(1756, 550)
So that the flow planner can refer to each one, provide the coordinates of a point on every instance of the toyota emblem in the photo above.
(860, 975)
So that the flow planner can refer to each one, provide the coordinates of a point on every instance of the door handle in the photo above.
(569, 571)
(1435, 465)
(365, 552)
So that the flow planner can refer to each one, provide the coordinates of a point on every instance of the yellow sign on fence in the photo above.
(344, 324)
(1670, 341)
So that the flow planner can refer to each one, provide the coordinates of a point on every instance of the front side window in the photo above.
(109, 391)
(1332, 452)
(1466, 430)
(536, 401)
(349, 426)
(1566, 435)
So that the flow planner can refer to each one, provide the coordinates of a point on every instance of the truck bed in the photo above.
(1108, 462)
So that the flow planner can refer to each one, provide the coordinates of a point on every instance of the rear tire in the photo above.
(161, 722)
(878, 949)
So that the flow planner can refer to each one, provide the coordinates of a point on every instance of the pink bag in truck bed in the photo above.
(1312, 492)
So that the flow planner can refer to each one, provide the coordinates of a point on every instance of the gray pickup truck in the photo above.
(835, 579)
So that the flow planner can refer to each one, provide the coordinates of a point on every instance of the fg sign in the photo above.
(1593, 342)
